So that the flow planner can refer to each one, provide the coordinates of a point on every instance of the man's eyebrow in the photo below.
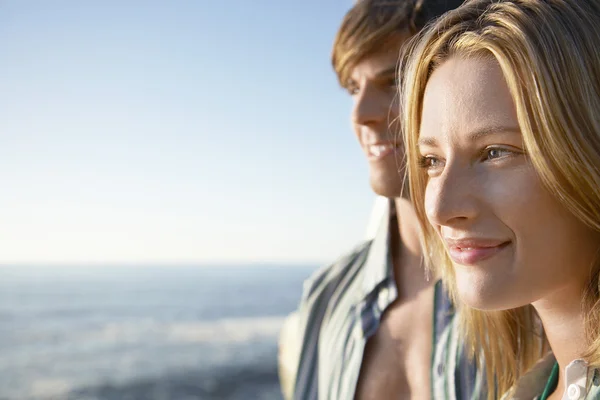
(475, 135)
(386, 72)
(383, 74)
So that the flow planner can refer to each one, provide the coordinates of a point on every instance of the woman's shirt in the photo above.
(581, 382)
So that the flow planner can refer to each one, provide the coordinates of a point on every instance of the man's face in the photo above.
(372, 85)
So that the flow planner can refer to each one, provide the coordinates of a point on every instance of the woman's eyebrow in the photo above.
(475, 135)
(427, 141)
(478, 134)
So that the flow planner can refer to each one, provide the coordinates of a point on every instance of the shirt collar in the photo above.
(579, 380)
(531, 385)
(378, 265)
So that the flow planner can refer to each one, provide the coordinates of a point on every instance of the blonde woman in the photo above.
(502, 126)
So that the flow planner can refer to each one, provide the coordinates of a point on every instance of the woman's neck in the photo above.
(563, 320)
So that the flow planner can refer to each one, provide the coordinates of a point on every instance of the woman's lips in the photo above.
(473, 251)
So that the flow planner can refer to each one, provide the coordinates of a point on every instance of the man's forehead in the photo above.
(378, 64)
(380, 3)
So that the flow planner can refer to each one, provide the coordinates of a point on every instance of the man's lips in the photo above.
(380, 150)
(470, 251)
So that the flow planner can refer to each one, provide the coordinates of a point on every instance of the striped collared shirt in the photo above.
(341, 308)
(454, 376)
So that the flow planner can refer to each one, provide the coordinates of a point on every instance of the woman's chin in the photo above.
(485, 292)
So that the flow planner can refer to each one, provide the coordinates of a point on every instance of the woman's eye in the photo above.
(495, 153)
(430, 162)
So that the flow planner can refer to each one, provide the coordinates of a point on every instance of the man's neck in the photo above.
(406, 251)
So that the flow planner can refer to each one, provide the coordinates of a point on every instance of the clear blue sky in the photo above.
(175, 131)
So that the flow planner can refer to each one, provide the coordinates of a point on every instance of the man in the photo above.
(365, 325)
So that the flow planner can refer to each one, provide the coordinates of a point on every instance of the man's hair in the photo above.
(372, 25)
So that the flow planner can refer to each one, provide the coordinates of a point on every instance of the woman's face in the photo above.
(512, 243)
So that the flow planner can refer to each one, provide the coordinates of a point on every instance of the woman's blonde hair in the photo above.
(549, 53)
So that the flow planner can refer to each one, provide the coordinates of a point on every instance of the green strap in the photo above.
(434, 338)
(552, 382)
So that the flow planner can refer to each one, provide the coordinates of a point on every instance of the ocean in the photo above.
(143, 333)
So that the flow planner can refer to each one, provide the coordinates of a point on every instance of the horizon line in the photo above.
(169, 264)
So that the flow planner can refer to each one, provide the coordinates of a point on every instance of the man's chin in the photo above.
(388, 184)
(386, 189)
